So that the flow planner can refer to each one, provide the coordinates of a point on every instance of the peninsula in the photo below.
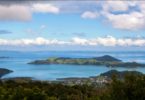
(4, 71)
(105, 60)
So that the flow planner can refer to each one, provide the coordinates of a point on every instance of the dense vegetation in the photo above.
(120, 74)
(103, 60)
(131, 88)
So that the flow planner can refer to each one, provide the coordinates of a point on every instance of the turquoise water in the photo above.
(18, 63)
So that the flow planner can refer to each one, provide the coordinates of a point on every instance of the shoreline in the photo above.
(99, 80)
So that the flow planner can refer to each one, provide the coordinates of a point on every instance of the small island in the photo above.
(4, 57)
(105, 60)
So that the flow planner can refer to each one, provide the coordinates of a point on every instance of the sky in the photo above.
(72, 25)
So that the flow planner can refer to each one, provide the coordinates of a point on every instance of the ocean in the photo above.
(17, 62)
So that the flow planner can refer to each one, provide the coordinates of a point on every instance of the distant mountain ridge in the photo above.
(107, 58)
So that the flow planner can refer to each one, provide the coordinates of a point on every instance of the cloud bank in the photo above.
(108, 41)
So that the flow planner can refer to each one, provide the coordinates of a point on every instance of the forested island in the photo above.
(105, 60)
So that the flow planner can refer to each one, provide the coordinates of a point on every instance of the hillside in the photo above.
(106, 60)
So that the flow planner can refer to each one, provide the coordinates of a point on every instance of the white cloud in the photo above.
(106, 41)
(25, 42)
(79, 41)
(142, 6)
(90, 15)
(45, 8)
(131, 21)
(15, 13)
(116, 5)
(99, 41)
(128, 19)
(19, 12)
(125, 15)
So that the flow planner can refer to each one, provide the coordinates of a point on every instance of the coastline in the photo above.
(97, 81)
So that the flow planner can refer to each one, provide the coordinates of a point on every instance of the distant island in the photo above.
(4, 57)
(105, 60)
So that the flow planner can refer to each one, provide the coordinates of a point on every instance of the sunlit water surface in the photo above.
(18, 63)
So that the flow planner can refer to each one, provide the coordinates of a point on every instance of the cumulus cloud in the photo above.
(79, 41)
(108, 41)
(122, 14)
(90, 15)
(23, 12)
(129, 18)
(15, 13)
(45, 8)
(125, 15)
(24, 42)
(116, 5)
(131, 21)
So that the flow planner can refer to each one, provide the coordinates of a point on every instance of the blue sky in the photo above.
(65, 24)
